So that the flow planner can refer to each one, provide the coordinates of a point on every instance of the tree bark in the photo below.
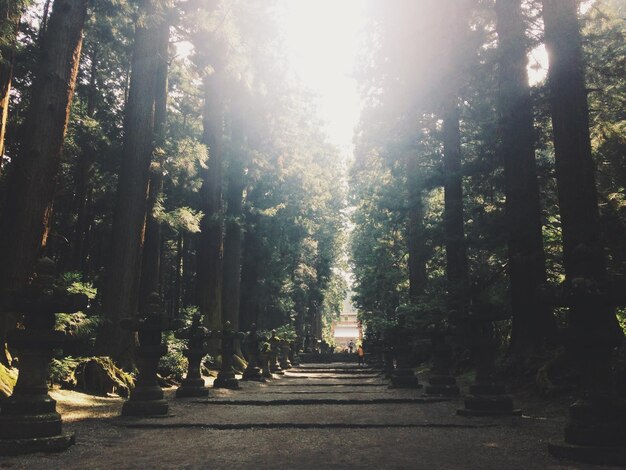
(416, 237)
(583, 251)
(210, 239)
(151, 263)
(82, 186)
(120, 292)
(454, 233)
(233, 236)
(252, 246)
(34, 172)
(533, 323)
(9, 20)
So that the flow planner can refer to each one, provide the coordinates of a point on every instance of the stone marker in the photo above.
(596, 427)
(402, 376)
(252, 347)
(266, 357)
(488, 396)
(440, 381)
(196, 335)
(285, 352)
(275, 350)
(226, 376)
(146, 399)
(29, 421)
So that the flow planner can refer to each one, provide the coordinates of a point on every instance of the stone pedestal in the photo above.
(226, 377)
(274, 342)
(440, 381)
(487, 396)
(596, 423)
(29, 421)
(196, 335)
(252, 348)
(146, 399)
(285, 352)
(266, 357)
(402, 376)
(293, 354)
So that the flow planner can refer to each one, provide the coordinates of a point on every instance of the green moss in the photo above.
(8, 377)
(100, 376)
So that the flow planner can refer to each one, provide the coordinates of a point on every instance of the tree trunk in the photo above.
(34, 172)
(82, 186)
(533, 323)
(583, 252)
(9, 21)
(33, 178)
(120, 292)
(250, 266)
(151, 263)
(234, 217)
(178, 275)
(454, 233)
(210, 239)
(416, 237)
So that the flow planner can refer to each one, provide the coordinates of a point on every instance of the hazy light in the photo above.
(323, 37)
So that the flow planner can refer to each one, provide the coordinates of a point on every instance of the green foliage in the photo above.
(173, 365)
(61, 371)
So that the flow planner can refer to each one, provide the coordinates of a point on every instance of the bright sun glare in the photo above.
(323, 37)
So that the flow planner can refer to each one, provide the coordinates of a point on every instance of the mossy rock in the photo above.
(239, 364)
(100, 376)
(8, 377)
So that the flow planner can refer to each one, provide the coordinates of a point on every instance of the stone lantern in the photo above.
(226, 377)
(146, 399)
(29, 421)
(196, 336)
(252, 348)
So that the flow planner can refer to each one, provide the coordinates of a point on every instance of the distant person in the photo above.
(351, 347)
(361, 353)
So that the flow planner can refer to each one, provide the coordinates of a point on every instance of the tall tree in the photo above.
(120, 292)
(594, 330)
(454, 232)
(151, 260)
(32, 181)
(231, 286)
(416, 239)
(533, 323)
(10, 12)
(210, 238)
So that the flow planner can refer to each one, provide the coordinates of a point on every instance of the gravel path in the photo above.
(314, 417)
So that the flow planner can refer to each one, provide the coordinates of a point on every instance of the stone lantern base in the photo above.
(192, 388)
(442, 385)
(488, 400)
(37, 444)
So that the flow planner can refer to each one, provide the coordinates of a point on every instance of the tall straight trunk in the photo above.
(82, 187)
(252, 246)
(120, 292)
(210, 239)
(233, 234)
(593, 329)
(178, 275)
(416, 236)
(533, 323)
(9, 21)
(454, 233)
(151, 263)
(34, 173)
(583, 252)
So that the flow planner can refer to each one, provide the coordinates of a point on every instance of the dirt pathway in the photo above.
(315, 416)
